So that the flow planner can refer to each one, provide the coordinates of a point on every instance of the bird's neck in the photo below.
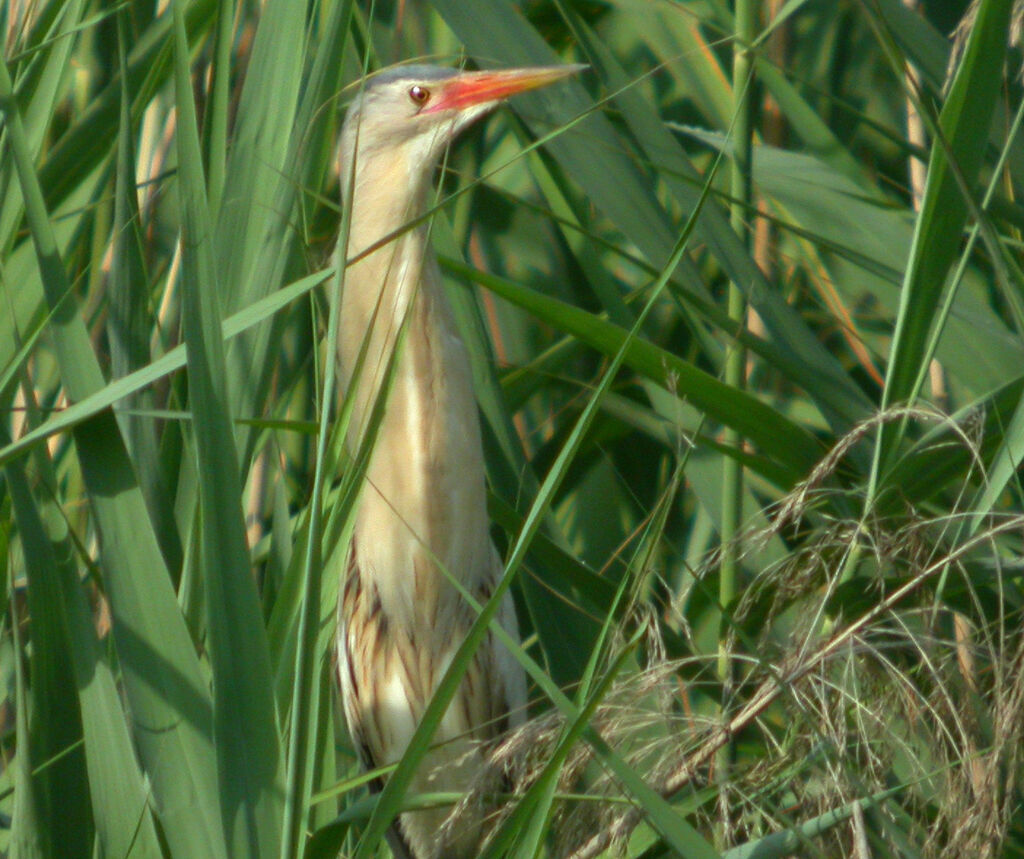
(389, 277)
(386, 198)
(425, 499)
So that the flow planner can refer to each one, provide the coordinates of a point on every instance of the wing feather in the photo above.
(387, 678)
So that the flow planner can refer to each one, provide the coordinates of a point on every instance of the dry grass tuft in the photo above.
(891, 687)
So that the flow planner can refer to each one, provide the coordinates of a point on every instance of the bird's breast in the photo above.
(423, 509)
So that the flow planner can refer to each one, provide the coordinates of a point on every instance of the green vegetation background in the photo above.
(817, 652)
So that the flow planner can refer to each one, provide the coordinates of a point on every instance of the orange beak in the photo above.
(473, 88)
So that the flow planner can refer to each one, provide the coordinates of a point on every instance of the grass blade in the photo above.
(250, 767)
(953, 167)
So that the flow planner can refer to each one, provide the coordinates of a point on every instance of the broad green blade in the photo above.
(250, 766)
(85, 704)
(253, 229)
(56, 797)
(953, 167)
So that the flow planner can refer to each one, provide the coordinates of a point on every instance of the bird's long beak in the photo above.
(473, 88)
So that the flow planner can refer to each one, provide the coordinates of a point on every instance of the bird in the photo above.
(422, 514)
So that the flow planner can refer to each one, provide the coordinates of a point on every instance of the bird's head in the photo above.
(410, 113)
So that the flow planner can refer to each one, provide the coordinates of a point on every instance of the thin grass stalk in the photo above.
(28, 837)
(217, 111)
(305, 703)
(747, 13)
(296, 806)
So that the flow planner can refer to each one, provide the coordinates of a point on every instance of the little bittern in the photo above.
(422, 512)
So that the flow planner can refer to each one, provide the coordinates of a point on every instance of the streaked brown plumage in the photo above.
(423, 507)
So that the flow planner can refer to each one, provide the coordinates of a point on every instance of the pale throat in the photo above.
(379, 282)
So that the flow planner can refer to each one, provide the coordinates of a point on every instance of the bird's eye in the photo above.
(419, 95)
